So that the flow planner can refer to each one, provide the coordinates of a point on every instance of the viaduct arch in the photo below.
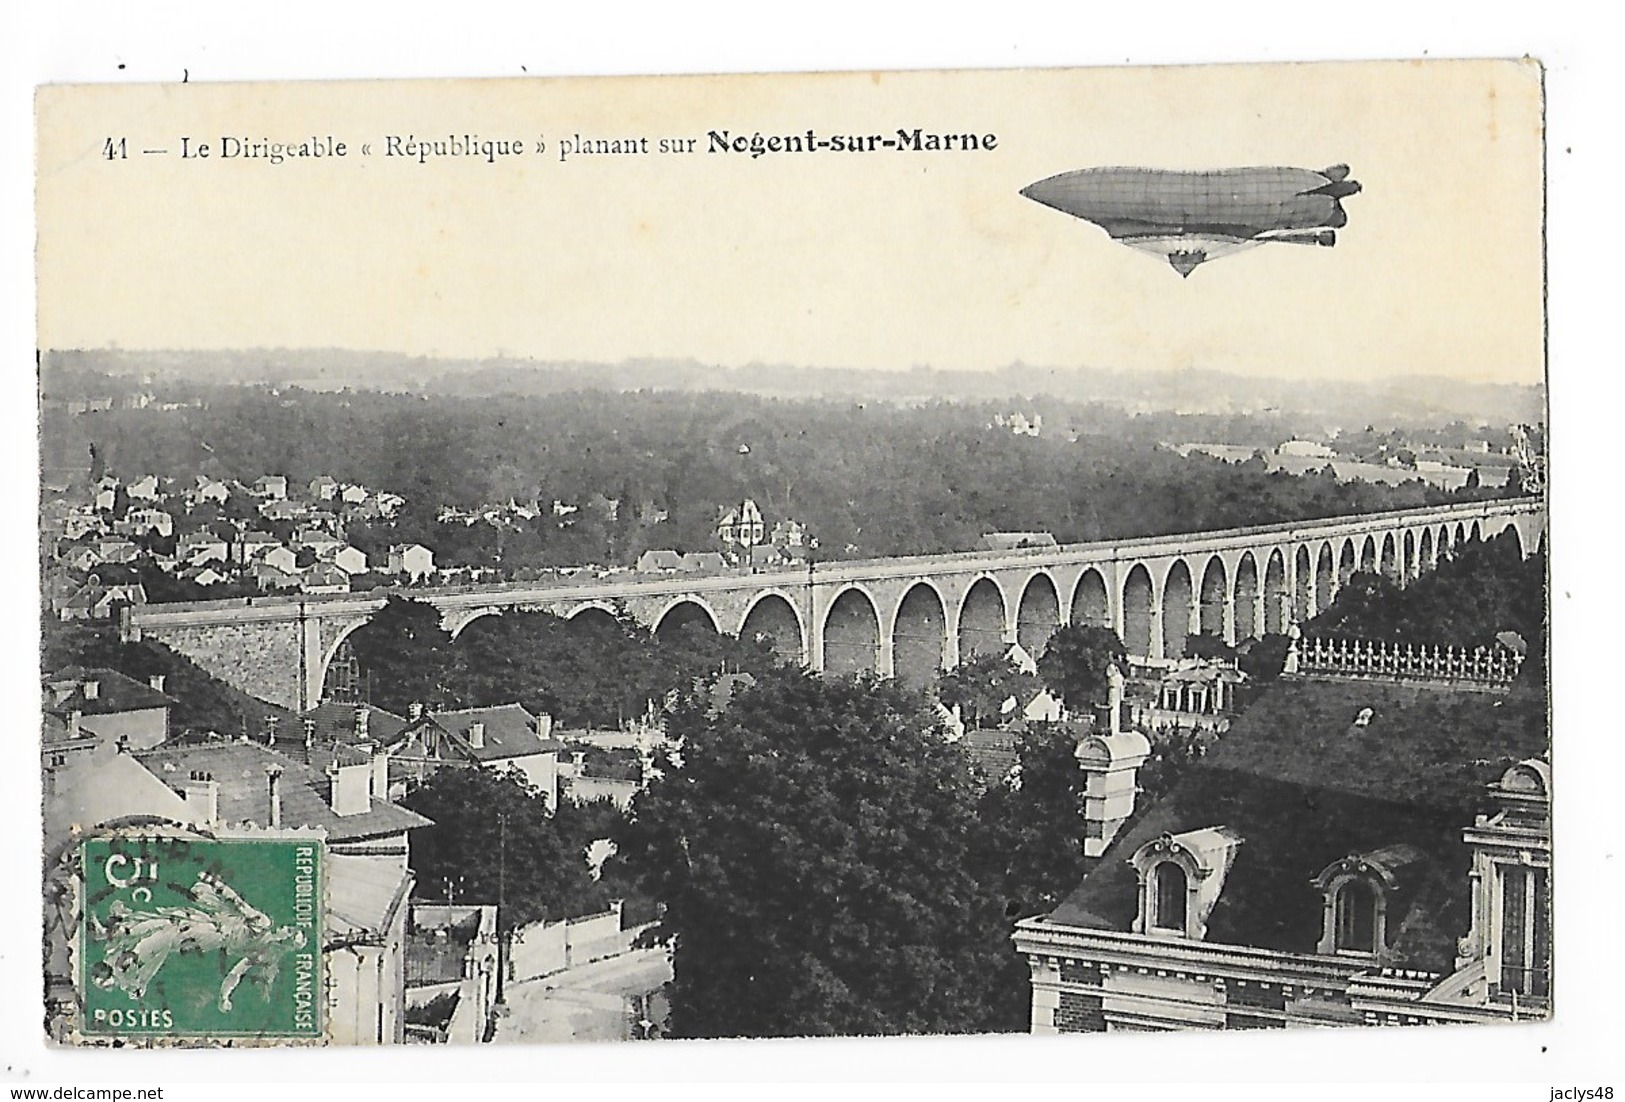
(904, 617)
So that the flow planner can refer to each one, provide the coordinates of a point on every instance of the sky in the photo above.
(882, 260)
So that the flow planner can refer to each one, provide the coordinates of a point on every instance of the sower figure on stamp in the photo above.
(139, 942)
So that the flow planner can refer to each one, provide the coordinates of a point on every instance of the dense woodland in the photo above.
(652, 469)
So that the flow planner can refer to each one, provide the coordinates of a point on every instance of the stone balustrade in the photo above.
(1494, 667)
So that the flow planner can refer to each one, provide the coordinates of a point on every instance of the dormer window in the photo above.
(1181, 876)
(1359, 891)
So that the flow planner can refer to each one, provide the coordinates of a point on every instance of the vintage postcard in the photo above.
(838, 555)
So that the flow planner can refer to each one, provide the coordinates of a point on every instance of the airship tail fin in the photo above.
(1337, 185)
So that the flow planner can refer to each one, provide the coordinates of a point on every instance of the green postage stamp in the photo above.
(201, 938)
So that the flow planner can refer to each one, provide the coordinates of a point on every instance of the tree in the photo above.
(1075, 662)
(822, 866)
(405, 654)
(1264, 659)
(1210, 647)
(594, 671)
(493, 840)
(980, 686)
(1038, 819)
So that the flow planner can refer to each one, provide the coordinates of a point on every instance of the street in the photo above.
(589, 1003)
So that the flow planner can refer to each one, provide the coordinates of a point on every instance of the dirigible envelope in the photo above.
(1191, 217)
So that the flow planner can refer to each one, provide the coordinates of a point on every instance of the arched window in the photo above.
(1357, 892)
(1355, 919)
(1169, 910)
(1180, 877)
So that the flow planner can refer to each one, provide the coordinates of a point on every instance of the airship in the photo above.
(1189, 218)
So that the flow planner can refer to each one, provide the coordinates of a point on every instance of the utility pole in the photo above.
(502, 904)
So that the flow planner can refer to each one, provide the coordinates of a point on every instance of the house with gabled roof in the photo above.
(140, 521)
(272, 578)
(653, 561)
(333, 723)
(504, 737)
(117, 549)
(280, 556)
(96, 601)
(199, 547)
(146, 488)
(204, 575)
(322, 542)
(703, 562)
(80, 557)
(349, 559)
(412, 559)
(324, 577)
(277, 509)
(1312, 869)
(252, 544)
(273, 486)
(208, 489)
(109, 705)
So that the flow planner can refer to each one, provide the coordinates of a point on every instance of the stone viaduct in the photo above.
(901, 617)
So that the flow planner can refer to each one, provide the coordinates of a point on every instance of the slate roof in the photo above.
(704, 560)
(336, 723)
(240, 769)
(56, 734)
(116, 693)
(510, 731)
(1304, 788)
(660, 560)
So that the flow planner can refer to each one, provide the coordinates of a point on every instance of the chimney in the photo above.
(270, 730)
(310, 736)
(350, 788)
(73, 722)
(1114, 705)
(361, 724)
(476, 735)
(202, 793)
(273, 776)
(1109, 764)
(414, 711)
(380, 774)
(157, 682)
(93, 689)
